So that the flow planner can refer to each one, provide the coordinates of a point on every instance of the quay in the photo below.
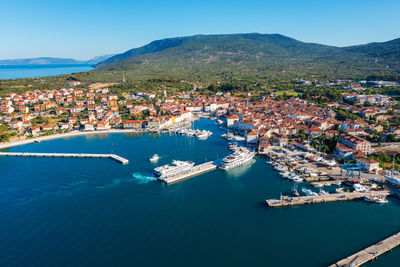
(195, 170)
(65, 155)
(303, 200)
(370, 253)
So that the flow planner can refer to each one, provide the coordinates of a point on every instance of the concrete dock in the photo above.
(294, 201)
(371, 252)
(65, 155)
(195, 170)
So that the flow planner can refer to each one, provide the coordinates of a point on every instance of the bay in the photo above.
(34, 71)
(98, 212)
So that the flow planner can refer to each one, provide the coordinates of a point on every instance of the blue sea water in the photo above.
(98, 212)
(33, 71)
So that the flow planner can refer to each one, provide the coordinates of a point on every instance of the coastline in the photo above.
(69, 134)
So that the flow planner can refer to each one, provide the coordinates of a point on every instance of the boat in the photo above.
(393, 180)
(392, 177)
(239, 157)
(338, 183)
(233, 146)
(369, 199)
(37, 141)
(297, 179)
(308, 192)
(323, 192)
(319, 185)
(202, 135)
(381, 200)
(360, 188)
(339, 190)
(174, 168)
(154, 158)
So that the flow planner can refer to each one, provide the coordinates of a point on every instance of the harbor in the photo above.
(303, 200)
(370, 253)
(65, 155)
(191, 172)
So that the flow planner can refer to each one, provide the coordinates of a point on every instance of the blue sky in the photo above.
(87, 28)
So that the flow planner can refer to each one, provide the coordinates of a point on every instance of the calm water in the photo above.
(33, 71)
(98, 212)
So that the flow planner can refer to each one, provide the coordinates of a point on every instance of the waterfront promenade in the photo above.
(370, 253)
(195, 170)
(65, 155)
(69, 134)
(295, 201)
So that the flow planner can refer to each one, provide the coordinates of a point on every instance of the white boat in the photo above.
(297, 179)
(308, 192)
(323, 192)
(338, 183)
(174, 168)
(202, 135)
(233, 146)
(154, 158)
(240, 157)
(393, 180)
(319, 185)
(381, 200)
(360, 188)
(339, 190)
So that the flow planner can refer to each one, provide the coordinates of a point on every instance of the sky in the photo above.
(82, 29)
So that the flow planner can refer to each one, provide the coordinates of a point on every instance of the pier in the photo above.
(303, 200)
(65, 155)
(370, 253)
(195, 170)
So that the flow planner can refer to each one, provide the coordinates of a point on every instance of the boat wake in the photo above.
(143, 178)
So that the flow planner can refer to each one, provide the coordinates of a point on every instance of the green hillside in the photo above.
(250, 55)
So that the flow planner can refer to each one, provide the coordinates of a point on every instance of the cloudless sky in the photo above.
(82, 29)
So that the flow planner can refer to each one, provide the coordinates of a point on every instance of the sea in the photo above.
(98, 212)
(34, 71)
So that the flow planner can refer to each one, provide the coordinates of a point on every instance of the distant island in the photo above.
(53, 60)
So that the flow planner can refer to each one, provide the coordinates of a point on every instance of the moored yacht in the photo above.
(240, 157)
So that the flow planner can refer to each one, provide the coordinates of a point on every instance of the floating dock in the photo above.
(65, 155)
(370, 253)
(195, 170)
(294, 201)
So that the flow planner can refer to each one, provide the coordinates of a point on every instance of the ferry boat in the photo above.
(240, 157)
(154, 158)
(174, 168)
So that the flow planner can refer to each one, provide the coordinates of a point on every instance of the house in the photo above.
(368, 165)
(349, 143)
(231, 119)
(35, 130)
(132, 124)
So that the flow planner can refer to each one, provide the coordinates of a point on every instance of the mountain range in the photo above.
(53, 60)
(253, 54)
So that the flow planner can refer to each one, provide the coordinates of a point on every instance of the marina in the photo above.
(65, 155)
(303, 200)
(370, 253)
(226, 195)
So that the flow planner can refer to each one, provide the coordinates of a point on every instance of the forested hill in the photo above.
(254, 54)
